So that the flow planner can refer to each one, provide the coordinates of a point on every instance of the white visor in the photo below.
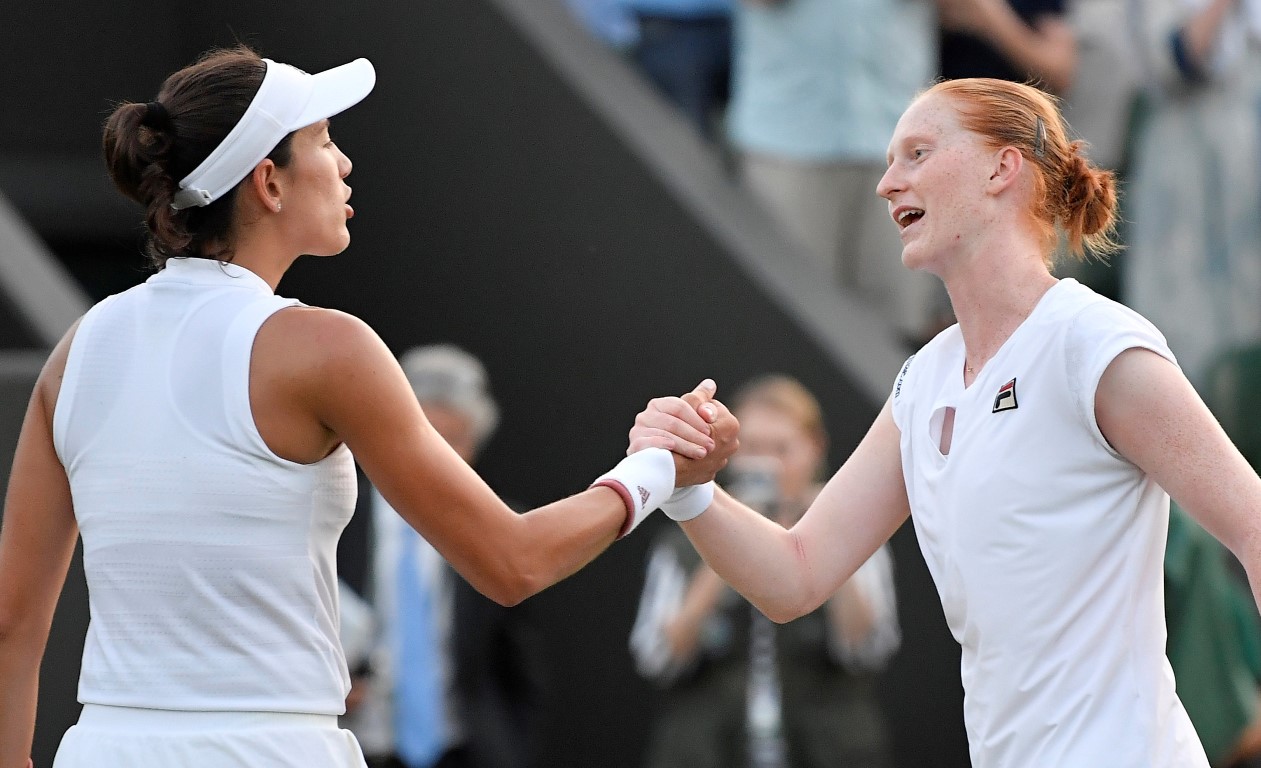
(287, 100)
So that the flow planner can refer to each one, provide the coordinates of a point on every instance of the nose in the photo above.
(343, 164)
(889, 183)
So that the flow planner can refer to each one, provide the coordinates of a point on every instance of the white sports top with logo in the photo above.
(210, 560)
(1046, 545)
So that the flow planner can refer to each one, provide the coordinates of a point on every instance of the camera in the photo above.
(754, 480)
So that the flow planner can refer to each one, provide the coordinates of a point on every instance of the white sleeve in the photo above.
(1097, 335)
(874, 579)
(900, 402)
(665, 585)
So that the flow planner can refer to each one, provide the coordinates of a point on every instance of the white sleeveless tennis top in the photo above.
(210, 560)
(1046, 546)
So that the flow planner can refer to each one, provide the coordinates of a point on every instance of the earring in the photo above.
(277, 207)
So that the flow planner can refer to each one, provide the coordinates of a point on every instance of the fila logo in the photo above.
(1006, 400)
(643, 494)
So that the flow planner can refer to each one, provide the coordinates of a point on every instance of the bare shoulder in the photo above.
(318, 338)
(48, 386)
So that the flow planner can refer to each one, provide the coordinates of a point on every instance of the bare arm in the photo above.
(338, 371)
(36, 543)
(1046, 50)
(683, 629)
(852, 616)
(789, 573)
(1202, 30)
(1149, 413)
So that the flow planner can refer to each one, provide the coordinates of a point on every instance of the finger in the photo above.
(695, 446)
(706, 389)
(661, 412)
(659, 439)
(640, 443)
(703, 393)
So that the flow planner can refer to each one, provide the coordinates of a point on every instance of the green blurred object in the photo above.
(1214, 642)
(1232, 388)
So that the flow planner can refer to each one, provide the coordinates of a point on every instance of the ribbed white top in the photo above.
(210, 560)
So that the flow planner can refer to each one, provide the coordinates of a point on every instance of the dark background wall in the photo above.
(495, 210)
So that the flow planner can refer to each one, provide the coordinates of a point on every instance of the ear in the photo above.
(1005, 171)
(264, 185)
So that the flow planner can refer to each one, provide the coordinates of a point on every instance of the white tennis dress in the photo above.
(1046, 545)
(210, 560)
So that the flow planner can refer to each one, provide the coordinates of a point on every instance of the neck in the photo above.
(262, 250)
(993, 293)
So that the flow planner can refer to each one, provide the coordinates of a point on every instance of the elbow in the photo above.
(784, 611)
(508, 589)
(516, 580)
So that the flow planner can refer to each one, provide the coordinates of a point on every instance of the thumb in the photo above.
(700, 398)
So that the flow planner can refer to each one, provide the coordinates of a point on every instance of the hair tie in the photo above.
(156, 116)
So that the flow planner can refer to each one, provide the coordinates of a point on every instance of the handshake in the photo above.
(677, 446)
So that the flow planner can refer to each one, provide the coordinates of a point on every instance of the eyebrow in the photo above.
(911, 140)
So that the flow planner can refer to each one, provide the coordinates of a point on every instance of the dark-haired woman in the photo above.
(1032, 445)
(197, 432)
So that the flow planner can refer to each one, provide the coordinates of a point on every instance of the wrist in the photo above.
(688, 503)
(644, 480)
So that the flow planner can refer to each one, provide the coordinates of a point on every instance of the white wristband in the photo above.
(689, 502)
(644, 480)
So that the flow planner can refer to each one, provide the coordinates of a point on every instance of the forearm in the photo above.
(19, 669)
(683, 630)
(1045, 52)
(851, 614)
(756, 556)
(1200, 33)
(555, 541)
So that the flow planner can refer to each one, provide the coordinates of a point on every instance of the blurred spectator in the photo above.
(455, 680)
(817, 88)
(741, 691)
(1019, 40)
(1099, 105)
(1214, 644)
(608, 21)
(684, 49)
(1193, 265)
(1099, 101)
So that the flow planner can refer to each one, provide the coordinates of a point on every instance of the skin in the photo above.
(318, 378)
(1045, 50)
(985, 246)
(769, 434)
(1203, 28)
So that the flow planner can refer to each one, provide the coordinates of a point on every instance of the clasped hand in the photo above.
(700, 431)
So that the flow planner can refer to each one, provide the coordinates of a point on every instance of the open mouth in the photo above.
(909, 216)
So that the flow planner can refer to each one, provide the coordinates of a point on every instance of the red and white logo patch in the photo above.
(1006, 399)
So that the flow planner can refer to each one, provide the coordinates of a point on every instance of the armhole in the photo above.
(63, 408)
(238, 349)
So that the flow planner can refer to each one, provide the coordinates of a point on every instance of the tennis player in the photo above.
(1032, 444)
(197, 432)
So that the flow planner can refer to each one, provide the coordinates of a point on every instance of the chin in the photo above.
(917, 259)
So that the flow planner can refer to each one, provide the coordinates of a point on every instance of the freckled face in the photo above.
(315, 199)
(935, 183)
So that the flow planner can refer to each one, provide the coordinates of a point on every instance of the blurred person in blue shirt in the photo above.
(684, 49)
(817, 88)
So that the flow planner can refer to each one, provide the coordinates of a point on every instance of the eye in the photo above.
(918, 154)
